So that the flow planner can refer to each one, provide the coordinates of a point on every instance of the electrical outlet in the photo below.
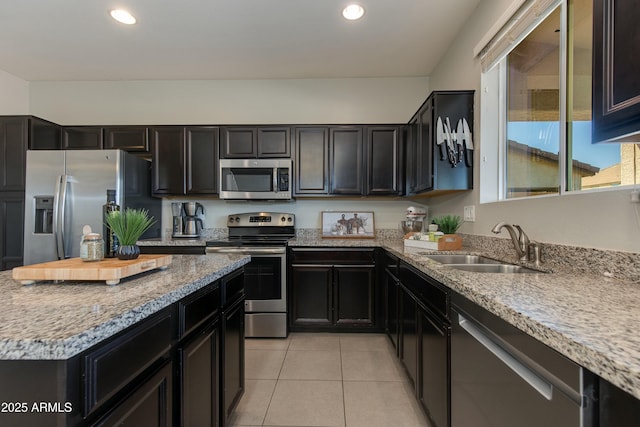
(470, 213)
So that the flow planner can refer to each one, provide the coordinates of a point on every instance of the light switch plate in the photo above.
(470, 213)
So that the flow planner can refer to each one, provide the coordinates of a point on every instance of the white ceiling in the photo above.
(71, 40)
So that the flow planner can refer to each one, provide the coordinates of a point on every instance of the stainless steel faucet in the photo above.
(520, 241)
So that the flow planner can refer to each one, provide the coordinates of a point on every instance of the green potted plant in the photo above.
(449, 224)
(128, 226)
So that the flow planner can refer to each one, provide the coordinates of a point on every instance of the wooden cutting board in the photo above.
(110, 270)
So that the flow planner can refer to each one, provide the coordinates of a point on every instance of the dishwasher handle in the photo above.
(531, 377)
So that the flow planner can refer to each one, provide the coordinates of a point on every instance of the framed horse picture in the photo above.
(348, 225)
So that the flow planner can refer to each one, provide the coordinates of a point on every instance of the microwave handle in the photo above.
(275, 180)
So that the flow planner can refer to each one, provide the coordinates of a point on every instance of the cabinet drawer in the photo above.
(333, 256)
(112, 366)
(195, 309)
(430, 293)
(232, 289)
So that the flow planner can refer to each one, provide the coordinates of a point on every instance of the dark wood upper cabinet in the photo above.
(168, 165)
(202, 160)
(616, 87)
(274, 142)
(430, 166)
(311, 162)
(128, 138)
(255, 142)
(239, 142)
(383, 158)
(185, 160)
(44, 135)
(82, 138)
(346, 155)
(14, 140)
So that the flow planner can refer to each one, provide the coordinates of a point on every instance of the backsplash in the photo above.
(564, 258)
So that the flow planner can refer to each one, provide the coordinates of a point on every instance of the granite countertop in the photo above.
(57, 321)
(591, 319)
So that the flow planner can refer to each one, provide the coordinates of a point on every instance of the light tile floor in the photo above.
(325, 380)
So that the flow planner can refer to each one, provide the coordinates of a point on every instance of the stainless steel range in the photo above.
(264, 236)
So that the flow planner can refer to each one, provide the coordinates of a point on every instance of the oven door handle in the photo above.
(247, 251)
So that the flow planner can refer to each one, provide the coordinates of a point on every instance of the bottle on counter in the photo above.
(111, 243)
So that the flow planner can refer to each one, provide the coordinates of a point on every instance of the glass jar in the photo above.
(91, 247)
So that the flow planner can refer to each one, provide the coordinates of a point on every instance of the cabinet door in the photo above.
(239, 142)
(354, 295)
(434, 367)
(232, 366)
(391, 312)
(424, 149)
(409, 334)
(11, 229)
(311, 299)
(383, 156)
(311, 161)
(150, 405)
(168, 160)
(199, 374)
(82, 138)
(14, 134)
(202, 160)
(45, 135)
(134, 139)
(346, 161)
(274, 142)
(616, 87)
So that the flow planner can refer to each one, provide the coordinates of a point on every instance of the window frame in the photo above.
(493, 83)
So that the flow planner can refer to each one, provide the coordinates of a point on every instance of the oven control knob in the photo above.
(231, 219)
(237, 219)
(289, 219)
(283, 219)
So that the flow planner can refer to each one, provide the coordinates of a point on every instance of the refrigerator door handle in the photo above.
(59, 202)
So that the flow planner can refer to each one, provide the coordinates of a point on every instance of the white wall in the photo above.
(14, 95)
(605, 220)
(301, 101)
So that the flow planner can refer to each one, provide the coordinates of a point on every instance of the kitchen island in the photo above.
(78, 353)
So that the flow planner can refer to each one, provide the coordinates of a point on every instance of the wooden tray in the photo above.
(111, 270)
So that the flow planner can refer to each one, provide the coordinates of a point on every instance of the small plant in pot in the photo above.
(128, 226)
(449, 224)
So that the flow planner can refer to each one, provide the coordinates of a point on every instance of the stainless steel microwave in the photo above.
(255, 179)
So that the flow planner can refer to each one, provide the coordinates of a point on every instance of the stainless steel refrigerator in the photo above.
(66, 190)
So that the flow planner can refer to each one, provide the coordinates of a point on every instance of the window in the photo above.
(542, 100)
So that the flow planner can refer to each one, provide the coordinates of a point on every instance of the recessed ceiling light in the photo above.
(353, 12)
(123, 16)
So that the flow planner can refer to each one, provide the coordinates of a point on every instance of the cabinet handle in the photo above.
(531, 377)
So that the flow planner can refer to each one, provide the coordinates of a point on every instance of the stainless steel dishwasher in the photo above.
(502, 377)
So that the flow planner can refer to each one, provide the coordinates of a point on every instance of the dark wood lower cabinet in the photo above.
(409, 334)
(199, 373)
(332, 290)
(11, 229)
(149, 405)
(232, 367)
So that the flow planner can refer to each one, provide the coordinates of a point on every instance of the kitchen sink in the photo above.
(462, 259)
(494, 268)
(479, 264)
